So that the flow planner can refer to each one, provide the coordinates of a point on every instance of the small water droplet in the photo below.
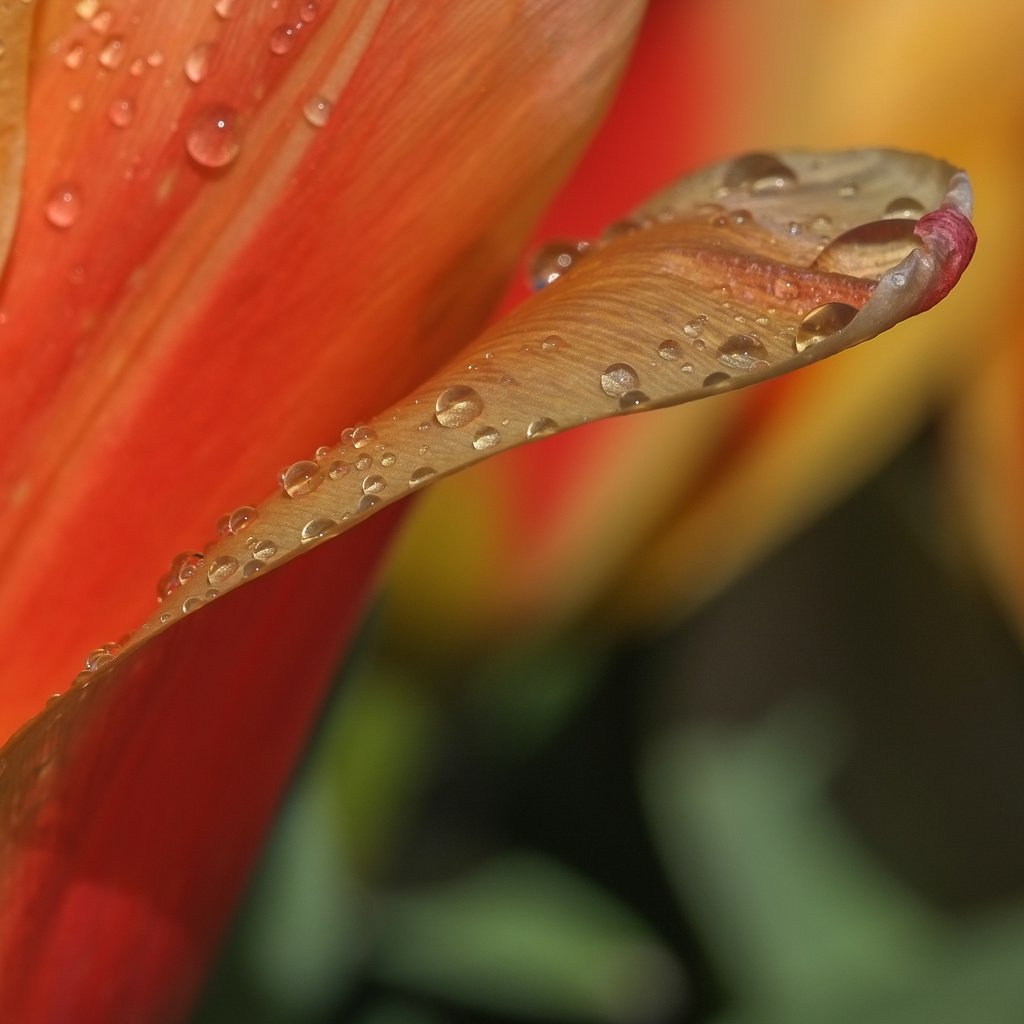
(619, 378)
(669, 349)
(301, 478)
(86, 9)
(693, 328)
(252, 568)
(714, 380)
(308, 10)
(221, 570)
(742, 352)
(101, 21)
(364, 463)
(388, 459)
(242, 517)
(64, 206)
(362, 436)
(822, 322)
(553, 260)
(186, 565)
(317, 111)
(225, 8)
(264, 550)
(337, 469)
(166, 616)
(759, 172)
(190, 604)
(120, 112)
(905, 207)
(486, 437)
(366, 502)
(74, 57)
(687, 367)
(283, 38)
(847, 190)
(541, 427)
(420, 476)
(551, 343)
(315, 529)
(197, 62)
(112, 53)
(374, 484)
(213, 138)
(100, 657)
(458, 405)
(633, 400)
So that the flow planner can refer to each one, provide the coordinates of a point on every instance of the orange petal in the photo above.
(180, 328)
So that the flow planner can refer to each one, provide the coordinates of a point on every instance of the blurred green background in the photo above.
(803, 804)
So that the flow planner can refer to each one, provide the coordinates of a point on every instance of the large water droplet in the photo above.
(64, 206)
(633, 400)
(693, 328)
(541, 427)
(758, 172)
(315, 529)
(252, 568)
(301, 478)
(868, 250)
(486, 437)
(905, 207)
(553, 260)
(619, 378)
(242, 517)
(420, 476)
(264, 550)
(742, 352)
(221, 570)
(362, 436)
(367, 502)
(456, 406)
(822, 322)
(374, 484)
(213, 138)
(317, 111)
(197, 62)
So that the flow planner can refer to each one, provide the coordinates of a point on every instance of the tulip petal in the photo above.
(724, 280)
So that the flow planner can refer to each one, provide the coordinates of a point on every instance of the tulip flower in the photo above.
(241, 230)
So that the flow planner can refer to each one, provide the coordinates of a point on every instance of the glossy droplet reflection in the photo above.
(121, 112)
(221, 570)
(743, 352)
(633, 400)
(486, 437)
(669, 350)
(374, 484)
(213, 139)
(264, 550)
(759, 172)
(420, 476)
(541, 427)
(822, 322)
(301, 478)
(905, 207)
(197, 63)
(869, 250)
(315, 529)
(456, 406)
(317, 111)
(242, 517)
(619, 378)
(553, 260)
(64, 206)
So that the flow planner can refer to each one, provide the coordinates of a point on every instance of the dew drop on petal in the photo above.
(822, 322)
(74, 57)
(197, 62)
(713, 380)
(221, 570)
(633, 400)
(190, 604)
(742, 352)
(552, 343)
(669, 350)
(337, 469)
(420, 476)
(458, 405)
(362, 436)
(120, 112)
(213, 138)
(64, 206)
(388, 459)
(252, 568)
(186, 565)
(486, 437)
(225, 8)
(241, 518)
(308, 10)
(301, 478)
(264, 550)
(367, 502)
(759, 172)
(282, 39)
(541, 427)
(315, 529)
(553, 260)
(317, 111)
(869, 250)
(374, 484)
(693, 328)
(112, 53)
(619, 378)
(905, 207)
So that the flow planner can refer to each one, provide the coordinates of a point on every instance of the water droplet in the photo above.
(366, 502)
(486, 437)
(687, 367)
(112, 53)
(241, 518)
(283, 38)
(633, 400)
(551, 343)
(541, 427)
(364, 463)
(221, 569)
(120, 112)
(190, 604)
(86, 9)
(553, 260)
(420, 476)
(713, 380)
(301, 478)
(362, 436)
(166, 616)
(74, 57)
(225, 8)
(456, 406)
(64, 206)
(98, 658)
(620, 228)
(619, 378)
(101, 21)
(759, 172)
(669, 350)
(742, 352)
(317, 111)
(186, 565)
(197, 62)
(868, 250)
(823, 322)
(337, 469)
(264, 550)
(315, 529)
(905, 207)
(252, 568)
(847, 190)
(213, 138)
(693, 328)
(388, 459)
(308, 10)
(374, 484)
